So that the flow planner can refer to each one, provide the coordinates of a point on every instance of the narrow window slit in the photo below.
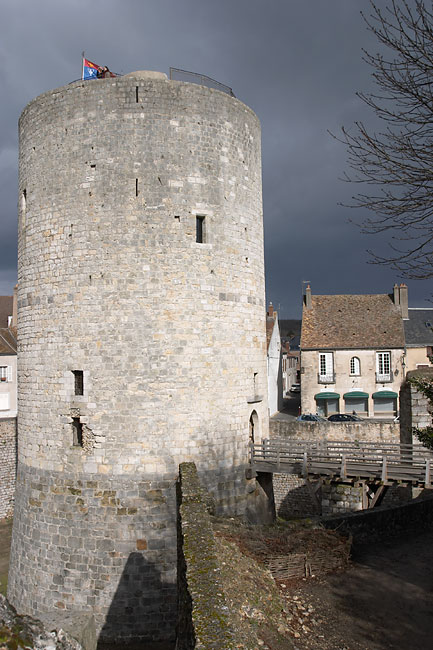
(78, 380)
(136, 94)
(136, 187)
(199, 230)
(77, 432)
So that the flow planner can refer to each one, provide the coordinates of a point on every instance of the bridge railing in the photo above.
(382, 461)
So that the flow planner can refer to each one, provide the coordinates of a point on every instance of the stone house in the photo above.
(275, 378)
(352, 353)
(418, 331)
(8, 357)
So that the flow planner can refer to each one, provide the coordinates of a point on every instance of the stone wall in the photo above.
(382, 522)
(117, 543)
(348, 431)
(297, 497)
(203, 615)
(414, 406)
(341, 497)
(294, 496)
(8, 465)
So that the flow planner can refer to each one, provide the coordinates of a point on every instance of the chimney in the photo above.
(271, 310)
(308, 297)
(14, 308)
(404, 302)
(396, 295)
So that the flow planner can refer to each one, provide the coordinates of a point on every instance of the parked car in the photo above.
(344, 417)
(295, 388)
(309, 417)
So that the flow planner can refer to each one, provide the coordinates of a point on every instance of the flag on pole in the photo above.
(90, 70)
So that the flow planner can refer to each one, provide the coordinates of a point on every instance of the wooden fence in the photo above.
(384, 462)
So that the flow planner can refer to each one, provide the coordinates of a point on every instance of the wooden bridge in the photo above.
(385, 463)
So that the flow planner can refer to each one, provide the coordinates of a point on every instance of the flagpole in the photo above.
(82, 65)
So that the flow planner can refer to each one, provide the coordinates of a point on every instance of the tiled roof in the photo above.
(6, 305)
(352, 322)
(8, 340)
(418, 329)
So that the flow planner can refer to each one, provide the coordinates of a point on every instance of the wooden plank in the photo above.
(377, 495)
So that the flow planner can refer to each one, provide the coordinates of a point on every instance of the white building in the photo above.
(275, 377)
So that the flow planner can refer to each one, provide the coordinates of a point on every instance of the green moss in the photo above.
(74, 491)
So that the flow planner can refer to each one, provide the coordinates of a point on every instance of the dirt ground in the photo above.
(383, 601)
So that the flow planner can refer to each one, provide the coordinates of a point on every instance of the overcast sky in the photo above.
(296, 63)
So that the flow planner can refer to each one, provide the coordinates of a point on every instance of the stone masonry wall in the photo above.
(116, 539)
(339, 497)
(293, 497)
(414, 406)
(380, 523)
(8, 465)
(203, 614)
(345, 431)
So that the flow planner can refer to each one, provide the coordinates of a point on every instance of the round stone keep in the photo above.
(141, 337)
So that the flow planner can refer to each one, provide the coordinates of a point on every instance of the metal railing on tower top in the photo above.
(176, 74)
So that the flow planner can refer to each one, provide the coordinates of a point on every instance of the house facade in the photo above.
(352, 353)
(8, 358)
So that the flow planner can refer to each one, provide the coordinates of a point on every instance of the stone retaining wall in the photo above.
(8, 465)
(350, 432)
(292, 496)
(377, 523)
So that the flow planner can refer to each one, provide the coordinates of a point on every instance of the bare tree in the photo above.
(397, 162)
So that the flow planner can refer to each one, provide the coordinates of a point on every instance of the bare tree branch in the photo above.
(398, 161)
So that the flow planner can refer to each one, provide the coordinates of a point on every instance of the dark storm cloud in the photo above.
(297, 64)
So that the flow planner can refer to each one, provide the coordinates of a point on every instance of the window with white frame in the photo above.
(355, 366)
(383, 366)
(5, 373)
(326, 367)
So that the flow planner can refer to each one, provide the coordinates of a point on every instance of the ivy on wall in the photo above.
(424, 386)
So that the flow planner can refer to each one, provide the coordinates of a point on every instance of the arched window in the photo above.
(254, 426)
(355, 366)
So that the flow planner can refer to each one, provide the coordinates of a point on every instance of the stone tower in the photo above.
(141, 337)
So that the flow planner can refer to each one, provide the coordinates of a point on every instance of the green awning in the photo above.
(355, 393)
(386, 394)
(326, 395)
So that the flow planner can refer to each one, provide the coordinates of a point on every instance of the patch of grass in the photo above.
(3, 583)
